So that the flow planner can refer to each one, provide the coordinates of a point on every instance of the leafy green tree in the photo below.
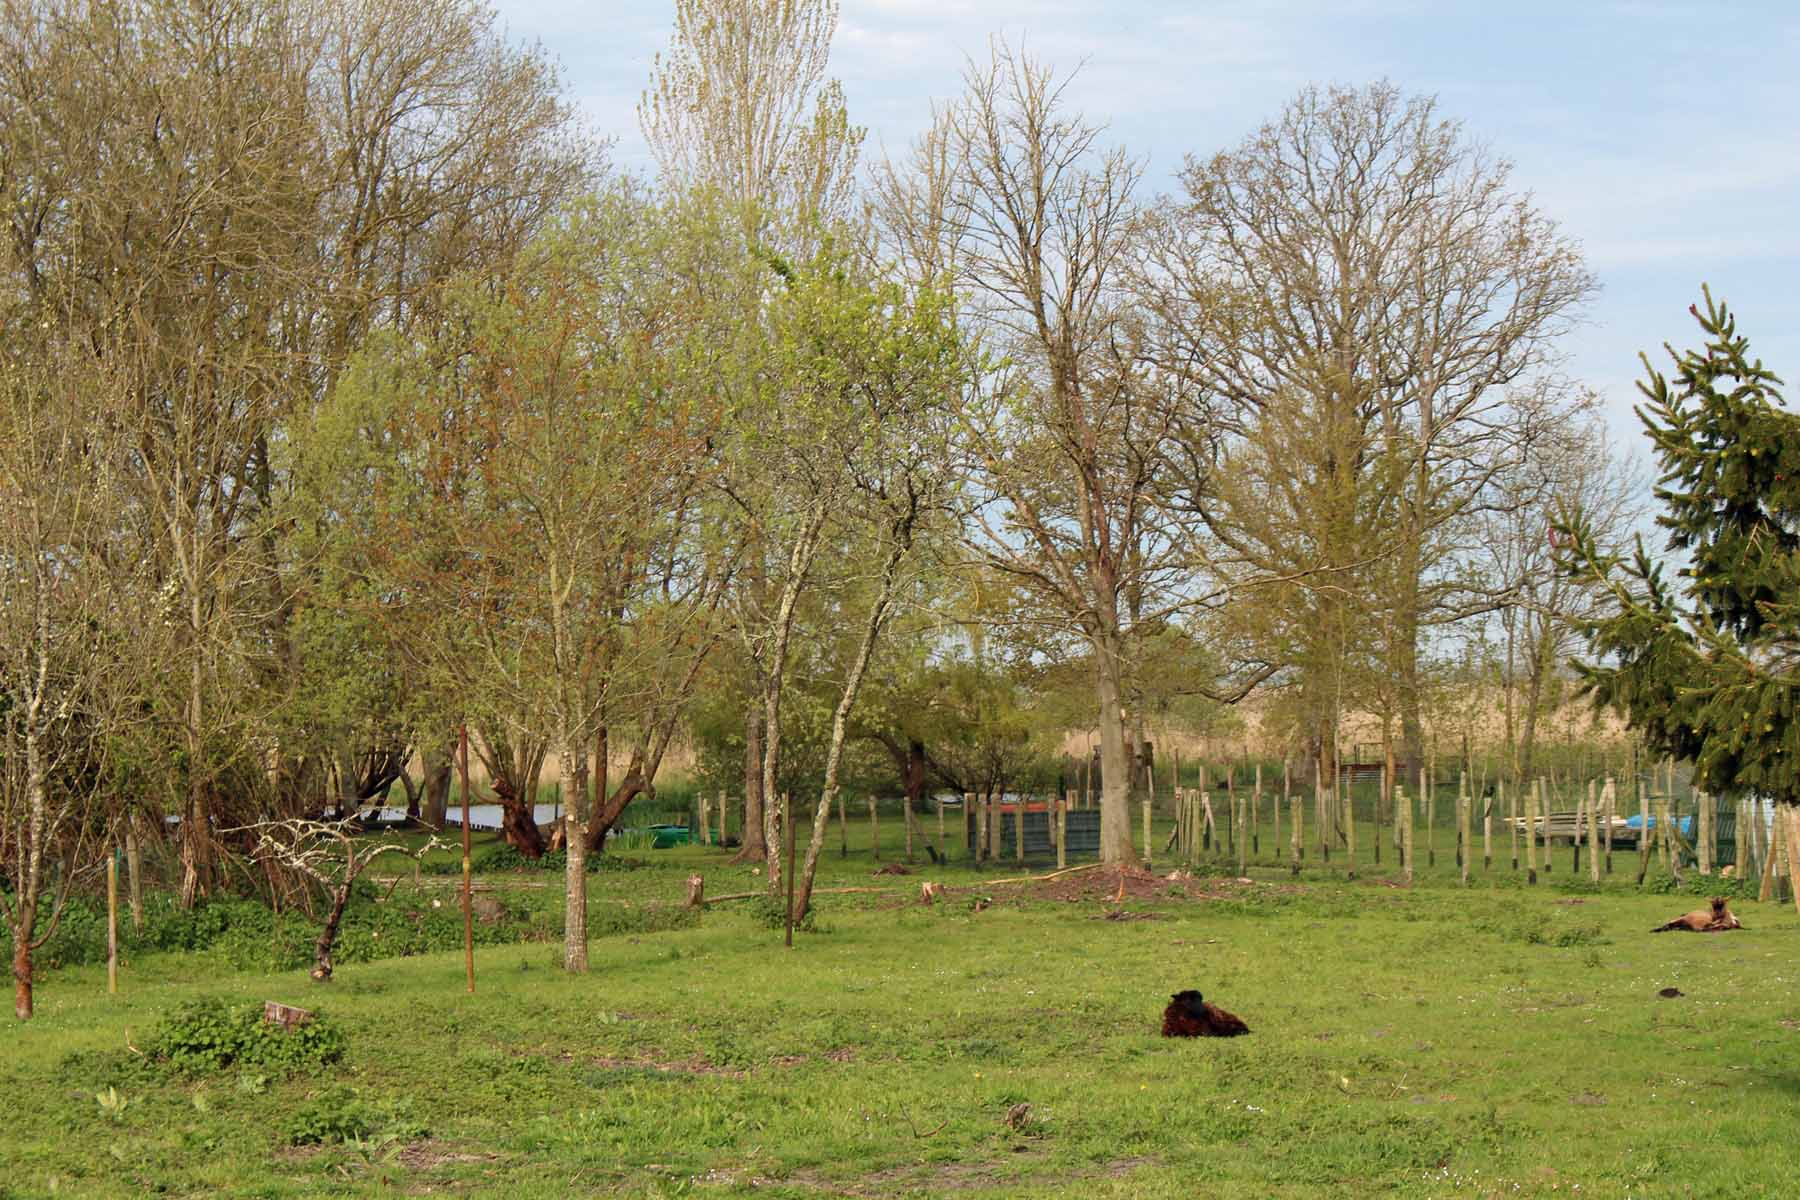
(552, 453)
(1708, 669)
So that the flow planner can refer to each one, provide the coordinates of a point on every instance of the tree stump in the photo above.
(284, 1015)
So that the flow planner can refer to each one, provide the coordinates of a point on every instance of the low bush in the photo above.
(208, 1035)
(343, 1114)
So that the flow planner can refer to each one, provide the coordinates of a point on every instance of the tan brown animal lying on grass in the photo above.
(1716, 920)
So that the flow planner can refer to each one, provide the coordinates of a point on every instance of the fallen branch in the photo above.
(1041, 878)
(844, 891)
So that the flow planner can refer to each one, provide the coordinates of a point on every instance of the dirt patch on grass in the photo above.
(1127, 884)
(696, 1065)
(1122, 914)
(429, 1154)
(966, 1176)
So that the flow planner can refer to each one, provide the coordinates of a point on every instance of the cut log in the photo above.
(284, 1015)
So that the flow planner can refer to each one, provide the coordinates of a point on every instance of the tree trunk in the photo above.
(840, 722)
(753, 849)
(575, 936)
(436, 761)
(601, 824)
(518, 823)
(25, 915)
(195, 825)
(134, 874)
(1405, 666)
(328, 936)
(1115, 756)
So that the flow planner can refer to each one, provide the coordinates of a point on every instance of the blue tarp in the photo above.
(1684, 825)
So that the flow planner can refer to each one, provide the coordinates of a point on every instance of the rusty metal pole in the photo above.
(467, 899)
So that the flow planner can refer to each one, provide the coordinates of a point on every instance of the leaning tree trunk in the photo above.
(518, 824)
(613, 807)
(840, 722)
(322, 948)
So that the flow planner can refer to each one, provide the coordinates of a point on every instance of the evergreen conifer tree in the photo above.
(1707, 665)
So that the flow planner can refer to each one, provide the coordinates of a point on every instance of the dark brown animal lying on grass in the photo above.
(1716, 920)
(1188, 1015)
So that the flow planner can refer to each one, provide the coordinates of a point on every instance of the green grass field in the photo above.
(1433, 1041)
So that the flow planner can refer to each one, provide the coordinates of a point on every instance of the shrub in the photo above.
(208, 1035)
(341, 1114)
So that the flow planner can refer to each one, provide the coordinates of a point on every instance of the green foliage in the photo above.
(1701, 668)
(344, 1114)
(1405, 1038)
(505, 857)
(1737, 887)
(207, 1035)
(248, 936)
(771, 913)
(1536, 925)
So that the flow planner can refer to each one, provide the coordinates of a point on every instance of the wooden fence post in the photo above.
(1147, 804)
(1593, 831)
(1464, 844)
(1609, 804)
(1703, 849)
(1349, 811)
(1487, 830)
(112, 919)
(1243, 842)
(1430, 799)
(1510, 804)
(134, 875)
(1297, 834)
(1256, 814)
(1406, 830)
(1531, 853)
(1059, 825)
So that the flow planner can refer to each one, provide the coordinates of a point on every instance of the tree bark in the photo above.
(840, 719)
(753, 849)
(1115, 756)
(518, 823)
(328, 936)
(575, 936)
(24, 917)
(436, 761)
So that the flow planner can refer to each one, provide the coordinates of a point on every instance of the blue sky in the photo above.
(1664, 136)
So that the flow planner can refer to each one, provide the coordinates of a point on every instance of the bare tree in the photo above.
(58, 628)
(331, 855)
(1016, 200)
(741, 103)
(1573, 469)
(1363, 253)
